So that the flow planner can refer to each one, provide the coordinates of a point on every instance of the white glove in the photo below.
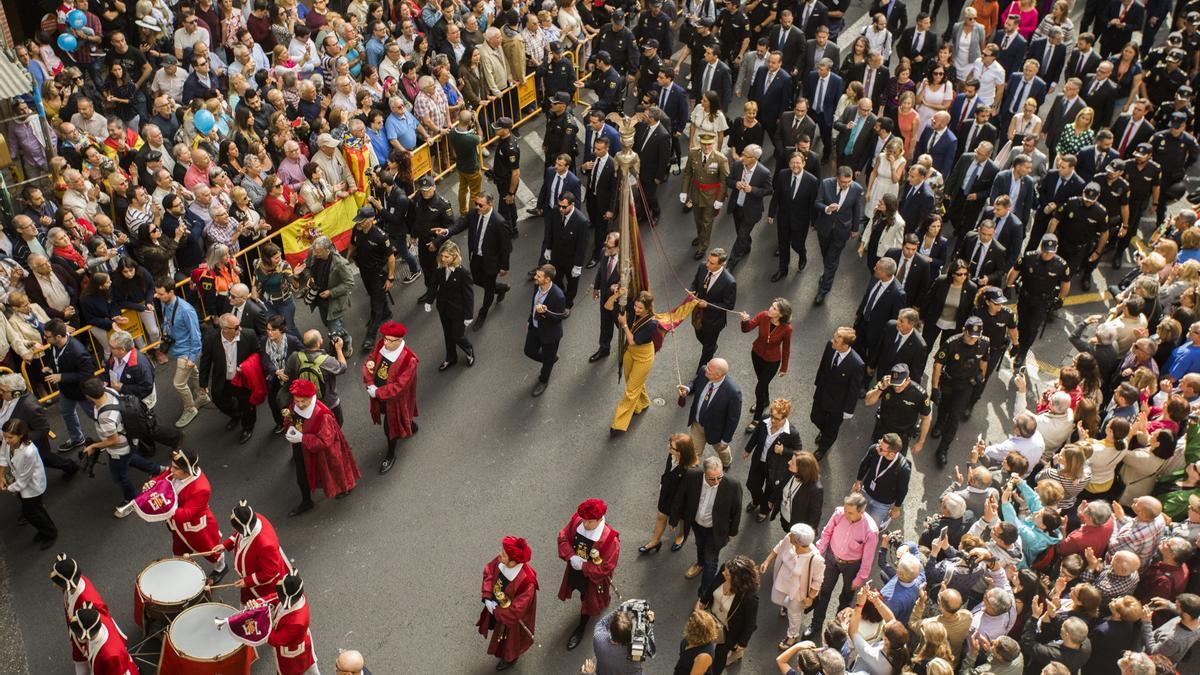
(847, 416)
(546, 254)
(576, 562)
(491, 605)
(576, 271)
(467, 322)
(293, 436)
(428, 307)
(718, 205)
(371, 390)
(682, 197)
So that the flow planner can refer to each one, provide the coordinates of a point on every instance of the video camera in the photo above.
(641, 646)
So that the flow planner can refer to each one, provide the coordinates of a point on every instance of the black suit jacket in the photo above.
(1102, 101)
(570, 242)
(743, 610)
(1052, 63)
(1025, 195)
(722, 294)
(838, 388)
(655, 153)
(455, 296)
(1059, 116)
(29, 411)
(819, 17)
(212, 358)
(897, 20)
(1074, 67)
(1012, 235)
(1066, 189)
(497, 244)
(793, 212)
(904, 49)
(138, 377)
(760, 189)
(994, 264)
(34, 291)
(1142, 135)
(956, 184)
(787, 133)
(1009, 58)
(870, 325)
(813, 53)
(720, 417)
(254, 317)
(549, 328)
(858, 73)
(726, 509)
(987, 132)
(722, 82)
(912, 353)
(935, 301)
(793, 46)
(916, 281)
(915, 208)
(1092, 162)
(601, 190)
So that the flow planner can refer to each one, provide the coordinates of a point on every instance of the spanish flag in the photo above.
(337, 220)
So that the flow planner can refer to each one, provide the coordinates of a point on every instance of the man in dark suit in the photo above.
(839, 209)
(722, 513)
(895, 11)
(939, 142)
(880, 304)
(812, 15)
(772, 91)
(70, 363)
(964, 106)
(1083, 59)
(747, 186)
(715, 410)
(600, 178)
(544, 327)
(793, 124)
(788, 40)
(597, 129)
(855, 132)
(873, 76)
(792, 195)
(917, 44)
(1010, 231)
(977, 130)
(26, 408)
(1062, 112)
(1130, 131)
(1051, 53)
(216, 368)
(968, 186)
(713, 75)
(1011, 44)
(1018, 185)
(912, 270)
(902, 343)
(1056, 188)
(672, 99)
(1021, 87)
(252, 313)
(559, 180)
(712, 284)
(1092, 160)
(839, 381)
(1101, 93)
(987, 261)
(652, 142)
(569, 246)
(820, 47)
(489, 250)
(1121, 21)
(916, 198)
(823, 89)
(606, 283)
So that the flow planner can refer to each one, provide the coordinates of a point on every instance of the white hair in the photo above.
(955, 505)
(753, 151)
(1060, 402)
(803, 534)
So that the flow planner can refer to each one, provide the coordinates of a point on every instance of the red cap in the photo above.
(393, 329)
(517, 549)
(592, 509)
(302, 387)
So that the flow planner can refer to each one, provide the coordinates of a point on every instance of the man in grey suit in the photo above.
(1062, 112)
(1018, 185)
(821, 47)
(747, 188)
(839, 208)
(855, 129)
(1038, 161)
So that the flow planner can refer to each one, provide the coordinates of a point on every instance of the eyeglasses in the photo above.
(713, 480)
(483, 205)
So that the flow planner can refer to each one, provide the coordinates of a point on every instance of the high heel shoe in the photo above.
(676, 546)
(649, 549)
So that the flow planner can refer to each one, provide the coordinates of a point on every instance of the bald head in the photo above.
(716, 369)
(350, 661)
(1125, 563)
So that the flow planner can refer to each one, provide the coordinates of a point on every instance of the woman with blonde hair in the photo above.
(745, 130)
(933, 645)
(771, 446)
(908, 123)
(698, 645)
(887, 171)
(1070, 468)
(455, 300)
(638, 329)
(1023, 124)
(796, 581)
(1077, 135)
(681, 456)
(1059, 15)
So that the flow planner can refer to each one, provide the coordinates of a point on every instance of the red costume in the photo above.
(291, 638)
(509, 639)
(594, 579)
(193, 526)
(395, 382)
(328, 461)
(107, 655)
(258, 559)
(73, 601)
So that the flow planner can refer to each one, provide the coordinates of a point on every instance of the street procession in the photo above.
(251, 244)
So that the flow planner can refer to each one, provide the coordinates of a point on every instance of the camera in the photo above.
(642, 646)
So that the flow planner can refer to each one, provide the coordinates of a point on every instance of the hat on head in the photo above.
(65, 573)
(186, 460)
(618, 16)
(556, 47)
(1115, 166)
(365, 213)
(503, 123)
(974, 327)
(327, 141)
(86, 623)
(708, 22)
(169, 59)
(1192, 17)
(707, 137)
(426, 183)
(592, 509)
(150, 23)
(1175, 39)
(561, 97)
(1049, 243)
(1091, 190)
(994, 294)
(1175, 55)
(289, 589)
(603, 56)
(650, 44)
(303, 387)
(1183, 93)
(517, 549)
(393, 329)
(1179, 118)
(899, 372)
(243, 518)
(1143, 150)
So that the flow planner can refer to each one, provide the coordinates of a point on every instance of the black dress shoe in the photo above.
(778, 275)
(966, 415)
(444, 365)
(501, 291)
(343, 495)
(599, 354)
(820, 453)
(695, 241)
(386, 465)
(1087, 283)
(936, 432)
(231, 425)
(649, 549)
(941, 459)
(539, 389)
(304, 507)
(244, 436)
(47, 543)
(819, 300)
(215, 577)
(685, 209)
(505, 665)
(470, 359)
(675, 547)
(575, 639)
(592, 263)
(277, 430)
(751, 507)
(698, 255)
(802, 264)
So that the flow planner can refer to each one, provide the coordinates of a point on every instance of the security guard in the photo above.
(561, 132)
(1114, 197)
(1045, 280)
(733, 30)
(557, 72)
(371, 250)
(607, 83)
(652, 24)
(702, 188)
(702, 37)
(1158, 55)
(506, 171)
(1166, 79)
(1174, 150)
(904, 408)
(432, 217)
(616, 39)
(1084, 227)
(959, 365)
(648, 68)
(1181, 104)
(999, 327)
(1144, 176)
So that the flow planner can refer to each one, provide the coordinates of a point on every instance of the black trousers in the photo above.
(428, 261)
(707, 335)
(791, 238)
(930, 333)
(54, 460)
(274, 389)
(508, 211)
(381, 309)
(485, 281)
(608, 324)
(832, 242)
(828, 423)
(568, 283)
(455, 334)
(995, 354)
(301, 473)
(650, 186)
(757, 484)
(1136, 210)
(36, 515)
(708, 552)
(765, 371)
(956, 398)
(1031, 316)
(545, 353)
(600, 227)
(234, 401)
(834, 570)
(744, 227)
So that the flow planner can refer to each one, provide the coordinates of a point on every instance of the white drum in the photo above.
(195, 645)
(166, 587)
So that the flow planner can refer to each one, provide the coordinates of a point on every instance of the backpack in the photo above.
(311, 371)
(140, 422)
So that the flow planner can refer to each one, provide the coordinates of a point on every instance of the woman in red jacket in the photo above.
(770, 351)
(279, 204)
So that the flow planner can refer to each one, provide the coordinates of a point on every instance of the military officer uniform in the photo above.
(1142, 181)
(901, 412)
(1042, 276)
(1082, 227)
(505, 163)
(703, 184)
(958, 367)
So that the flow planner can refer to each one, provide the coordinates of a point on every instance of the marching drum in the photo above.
(196, 645)
(165, 588)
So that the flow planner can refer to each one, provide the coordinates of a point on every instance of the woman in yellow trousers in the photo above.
(638, 359)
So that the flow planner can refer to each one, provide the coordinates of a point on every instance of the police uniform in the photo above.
(561, 138)
(619, 43)
(647, 77)
(960, 373)
(1162, 117)
(1080, 226)
(1041, 281)
(900, 412)
(996, 328)
(732, 29)
(1162, 83)
(1114, 197)
(698, 43)
(650, 27)
(558, 76)
(609, 87)
(427, 214)
(506, 160)
(704, 183)
(372, 250)
(1142, 181)
(1174, 154)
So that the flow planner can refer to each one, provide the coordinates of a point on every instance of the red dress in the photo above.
(258, 559)
(397, 397)
(291, 639)
(85, 592)
(509, 639)
(327, 457)
(597, 593)
(193, 527)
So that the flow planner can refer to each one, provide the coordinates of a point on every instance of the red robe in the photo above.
(598, 593)
(258, 559)
(509, 639)
(193, 527)
(107, 654)
(398, 398)
(291, 639)
(85, 591)
(327, 457)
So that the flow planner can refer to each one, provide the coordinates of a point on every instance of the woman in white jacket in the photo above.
(796, 583)
(24, 476)
(885, 231)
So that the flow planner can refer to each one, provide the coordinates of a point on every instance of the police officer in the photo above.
(703, 36)
(372, 251)
(506, 171)
(616, 39)
(1174, 150)
(733, 30)
(904, 408)
(648, 68)
(1166, 78)
(432, 217)
(959, 365)
(1045, 280)
(1082, 223)
(999, 327)
(1114, 197)
(561, 132)
(1158, 55)
(394, 216)
(607, 83)
(557, 72)
(1144, 176)
(1182, 103)
(652, 24)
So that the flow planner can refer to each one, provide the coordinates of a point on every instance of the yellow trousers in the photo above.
(636, 365)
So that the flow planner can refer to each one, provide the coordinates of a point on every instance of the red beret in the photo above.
(302, 387)
(517, 549)
(592, 509)
(393, 329)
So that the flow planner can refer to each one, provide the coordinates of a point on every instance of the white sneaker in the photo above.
(120, 512)
(186, 418)
(202, 401)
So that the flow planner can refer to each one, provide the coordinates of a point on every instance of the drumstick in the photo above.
(229, 585)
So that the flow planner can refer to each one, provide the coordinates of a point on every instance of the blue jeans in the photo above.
(878, 512)
(119, 468)
(66, 407)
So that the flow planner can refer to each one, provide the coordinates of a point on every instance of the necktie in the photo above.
(556, 189)
(971, 176)
(1125, 137)
(859, 123)
(1094, 87)
(976, 257)
(1019, 97)
(933, 140)
(662, 98)
(746, 176)
(708, 394)
(971, 136)
(912, 191)
(808, 8)
(903, 271)
(982, 257)
(783, 34)
(708, 76)
(1000, 225)
(237, 311)
(770, 79)
(918, 37)
(966, 110)
(1124, 9)
(704, 159)
(874, 297)
(597, 171)
(612, 263)
(841, 196)
(837, 359)
(1004, 43)
(707, 280)
(646, 140)
(1079, 64)
(483, 220)
(795, 185)
(819, 103)
(870, 81)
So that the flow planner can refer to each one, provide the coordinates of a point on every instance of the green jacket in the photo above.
(1174, 499)
(466, 149)
(341, 283)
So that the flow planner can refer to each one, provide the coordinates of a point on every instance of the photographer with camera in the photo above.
(615, 638)
(327, 282)
(114, 440)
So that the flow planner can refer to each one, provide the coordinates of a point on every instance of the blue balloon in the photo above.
(67, 42)
(76, 18)
(204, 122)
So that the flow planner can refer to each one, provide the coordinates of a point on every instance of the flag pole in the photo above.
(627, 163)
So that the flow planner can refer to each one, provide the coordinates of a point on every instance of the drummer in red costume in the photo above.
(101, 643)
(257, 557)
(509, 602)
(390, 376)
(590, 548)
(319, 448)
(77, 590)
(193, 526)
(290, 634)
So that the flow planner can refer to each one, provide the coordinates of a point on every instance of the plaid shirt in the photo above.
(434, 107)
(1137, 536)
(535, 45)
(1110, 585)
